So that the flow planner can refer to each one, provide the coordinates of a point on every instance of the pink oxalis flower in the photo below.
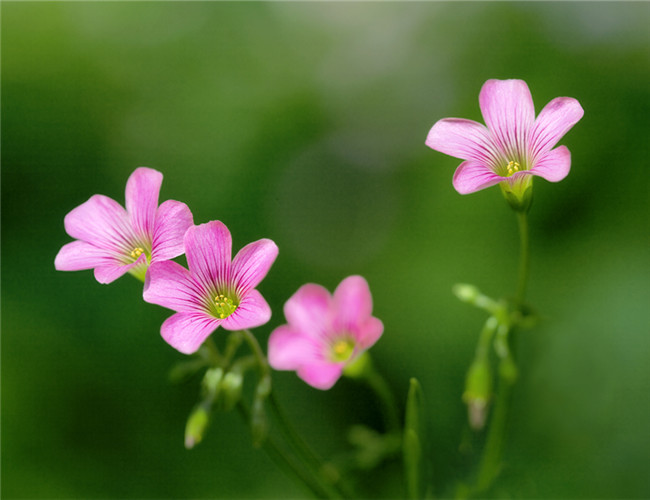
(114, 241)
(514, 146)
(214, 291)
(325, 333)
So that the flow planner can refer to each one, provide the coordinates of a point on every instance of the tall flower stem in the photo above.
(307, 456)
(490, 463)
(285, 461)
(524, 257)
(379, 385)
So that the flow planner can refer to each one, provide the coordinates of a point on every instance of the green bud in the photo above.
(259, 422)
(231, 387)
(478, 391)
(466, 293)
(212, 380)
(196, 425)
(508, 370)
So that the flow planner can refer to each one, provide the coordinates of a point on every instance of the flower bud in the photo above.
(478, 391)
(196, 425)
(466, 293)
(231, 387)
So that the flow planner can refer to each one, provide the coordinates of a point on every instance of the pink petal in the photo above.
(170, 285)
(288, 350)
(142, 190)
(554, 165)
(251, 312)
(555, 120)
(187, 331)
(110, 272)
(102, 222)
(173, 219)
(472, 176)
(79, 255)
(308, 310)
(508, 111)
(208, 250)
(321, 375)
(251, 264)
(464, 139)
(352, 303)
(369, 333)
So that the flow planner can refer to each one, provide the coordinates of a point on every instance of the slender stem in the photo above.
(307, 454)
(265, 369)
(381, 388)
(490, 464)
(311, 461)
(285, 461)
(524, 257)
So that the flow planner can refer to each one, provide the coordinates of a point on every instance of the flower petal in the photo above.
(173, 219)
(554, 165)
(555, 120)
(187, 331)
(101, 221)
(108, 273)
(251, 264)
(321, 375)
(352, 303)
(208, 248)
(170, 285)
(288, 349)
(509, 112)
(308, 310)
(464, 139)
(471, 176)
(142, 191)
(79, 255)
(251, 312)
(369, 333)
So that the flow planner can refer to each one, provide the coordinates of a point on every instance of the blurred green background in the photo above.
(305, 123)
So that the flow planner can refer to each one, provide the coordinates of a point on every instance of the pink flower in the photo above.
(514, 146)
(114, 241)
(215, 291)
(325, 333)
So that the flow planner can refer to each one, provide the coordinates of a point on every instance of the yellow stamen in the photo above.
(224, 306)
(136, 252)
(512, 167)
(342, 350)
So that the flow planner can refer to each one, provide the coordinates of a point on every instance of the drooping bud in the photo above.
(197, 423)
(478, 391)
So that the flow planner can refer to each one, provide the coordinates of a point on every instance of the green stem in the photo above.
(310, 460)
(524, 257)
(386, 397)
(490, 464)
(334, 485)
(285, 461)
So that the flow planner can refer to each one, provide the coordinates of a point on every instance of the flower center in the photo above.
(136, 252)
(342, 350)
(511, 168)
(224, 306)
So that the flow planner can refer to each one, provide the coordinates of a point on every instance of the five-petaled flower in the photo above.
(114, 241)
(214, 291)
(325, 333)
(514, 146)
